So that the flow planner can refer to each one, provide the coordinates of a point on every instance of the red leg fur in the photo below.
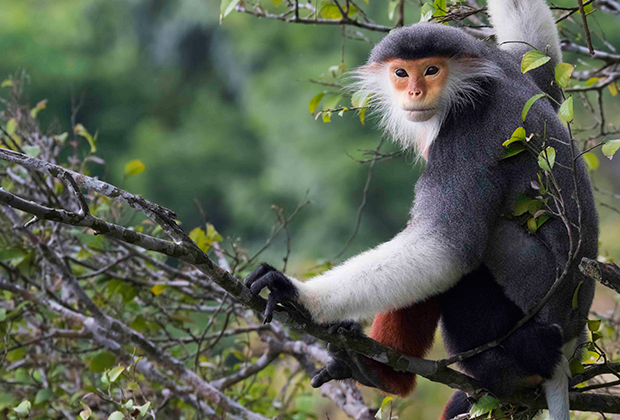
(409, 330)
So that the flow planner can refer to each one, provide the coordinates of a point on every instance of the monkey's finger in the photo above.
(338, 369)
(265, 281)
(271, 306)
(258, 273)
(336, 351)
(320, 378)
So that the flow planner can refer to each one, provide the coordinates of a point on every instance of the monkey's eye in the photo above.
(401, 73)
(431, 70)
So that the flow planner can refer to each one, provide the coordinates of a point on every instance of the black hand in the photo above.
(346, 364)
(282, 290)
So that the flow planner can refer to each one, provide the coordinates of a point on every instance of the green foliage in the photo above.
(80, 130)
(485, 404)
(23, 409)
(610, 148)
(102, 361)
(576, 367)
(384, 411)
(515, 144)
(566, 110)
(546, 159)
(134, 167)
(226, 7)
(576, 297)
(315, 101)
(563, 72)
(532, 60)
(203, 239)
(529, 104)
(591, 160)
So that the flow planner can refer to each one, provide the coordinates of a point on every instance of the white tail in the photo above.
(528, 21)
(556, 391)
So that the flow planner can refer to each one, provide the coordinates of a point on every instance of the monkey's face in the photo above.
(418, 85)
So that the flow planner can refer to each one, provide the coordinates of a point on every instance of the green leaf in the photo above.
(226, 7)
(576, 297)
(592, 81)
(102, 361)
(546, 159)
(11, 126)
(212, 235)
(427, 11)
(336, 71)
(115, 373)
(331, 102)
(484, 405)
(327, 117)
(2, 314)
(610, 148)
(534, 206)
(363, 115)
(361, 98)
(32, 151)
(591, 161)
(613, 89)
(200, 237)
(158, 289)
(197, 235)
(563, 72)
(61, 138)
(276, 3)
(43, 395)
(513, 150)
(117, 415)
(144, 408)
(38, 108)
(440, 8)
(529, 104)
(518, 135)
(6, 83)
(384, 404)
(86, 412)
(392, 5)
(522, 205)
(23, 409)
(533, 59)
(314, 102)
(134, 167)
(16, 355)
(329, 10)
(594, 324)
(595, 337)
(532, 225)
(541, 219)
(566, 110)
(576, 367)
(80, 130)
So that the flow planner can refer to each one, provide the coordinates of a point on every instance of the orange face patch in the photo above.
(418, 84)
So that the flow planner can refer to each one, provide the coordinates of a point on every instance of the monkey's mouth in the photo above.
(420, 115)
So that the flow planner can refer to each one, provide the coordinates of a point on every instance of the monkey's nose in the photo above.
(416, 93)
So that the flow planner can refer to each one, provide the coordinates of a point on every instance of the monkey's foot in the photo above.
(281, 288)
(350, 326)
(346, 364)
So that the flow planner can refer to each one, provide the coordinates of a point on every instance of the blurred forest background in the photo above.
(218, 113)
